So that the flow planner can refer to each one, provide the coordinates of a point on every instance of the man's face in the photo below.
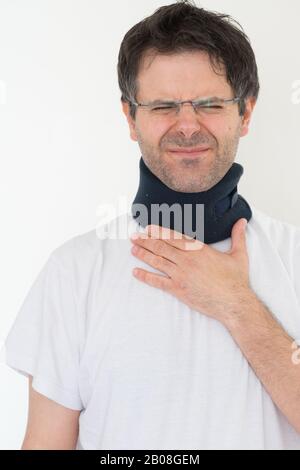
(186, 76)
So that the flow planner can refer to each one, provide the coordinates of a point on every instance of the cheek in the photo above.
(223, 130)
(153, 132)
(215, 131)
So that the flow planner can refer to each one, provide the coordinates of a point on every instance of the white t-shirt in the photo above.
(147, 371)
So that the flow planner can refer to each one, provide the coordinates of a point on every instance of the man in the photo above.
(195, 348)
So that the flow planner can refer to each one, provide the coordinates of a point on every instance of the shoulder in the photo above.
(279, 232)
(77, 249)
(83, 252)
(282, 237)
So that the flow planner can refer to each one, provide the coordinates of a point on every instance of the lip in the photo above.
(189, 152)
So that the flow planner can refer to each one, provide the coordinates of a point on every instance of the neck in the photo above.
(207, 216)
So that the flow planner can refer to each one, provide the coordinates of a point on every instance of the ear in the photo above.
(131, 122)
(249, 103)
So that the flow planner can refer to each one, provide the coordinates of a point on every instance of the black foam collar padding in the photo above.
(222, 205)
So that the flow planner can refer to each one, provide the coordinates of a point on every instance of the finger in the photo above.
(155, 280)
(174, 238)
(157, 262)
(238, 237)
(158, 247)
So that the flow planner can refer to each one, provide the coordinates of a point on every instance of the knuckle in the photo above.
(156, 262)
(180, 284)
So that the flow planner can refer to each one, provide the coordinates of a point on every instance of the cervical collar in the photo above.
(207, 216)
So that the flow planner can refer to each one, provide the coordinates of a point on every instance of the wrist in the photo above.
(243, 306)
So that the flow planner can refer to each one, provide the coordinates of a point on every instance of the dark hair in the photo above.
(181, 27)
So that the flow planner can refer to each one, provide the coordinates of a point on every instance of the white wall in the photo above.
(65, 147)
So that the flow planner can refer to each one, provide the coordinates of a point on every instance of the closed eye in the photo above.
(163, 107)
(211, 106)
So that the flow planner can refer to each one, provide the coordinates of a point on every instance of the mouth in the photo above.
(190, 153)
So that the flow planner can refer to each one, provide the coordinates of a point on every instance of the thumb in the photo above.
(238, 236)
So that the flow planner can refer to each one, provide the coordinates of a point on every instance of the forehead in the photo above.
(184, 75)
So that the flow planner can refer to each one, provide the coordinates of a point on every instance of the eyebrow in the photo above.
(205, 98)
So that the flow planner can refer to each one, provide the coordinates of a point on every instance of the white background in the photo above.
(65, 147)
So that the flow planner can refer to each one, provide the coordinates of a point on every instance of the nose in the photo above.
(187, 121)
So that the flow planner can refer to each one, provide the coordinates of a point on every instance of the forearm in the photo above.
(269, 351)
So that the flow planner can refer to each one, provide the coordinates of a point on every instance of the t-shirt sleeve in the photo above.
(44, 339)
